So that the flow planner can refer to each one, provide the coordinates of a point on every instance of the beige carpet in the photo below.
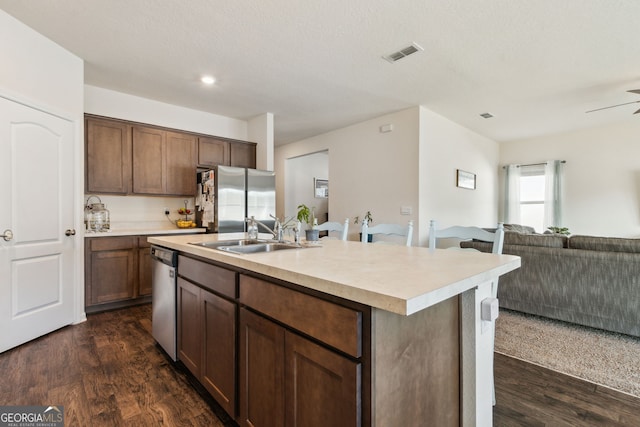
(605, 358)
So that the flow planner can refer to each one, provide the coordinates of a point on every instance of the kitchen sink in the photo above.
(259, 247)
(240, 242)
(247, 246)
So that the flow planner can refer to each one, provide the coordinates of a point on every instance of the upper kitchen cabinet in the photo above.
(212, 152)
(243, 154)
(108, 156)
(164, 163)
(124, 157)
(217, 151)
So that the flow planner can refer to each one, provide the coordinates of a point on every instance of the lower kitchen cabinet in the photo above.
(261, 371)
(117, 272)
(269, 354)
(112, 269)
(144, 266)
(287, 377)
(189, 326)
(207, 329)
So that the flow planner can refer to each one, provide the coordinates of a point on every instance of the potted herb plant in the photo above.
(307, 214)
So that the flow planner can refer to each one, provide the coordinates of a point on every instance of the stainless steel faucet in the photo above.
(277, 228)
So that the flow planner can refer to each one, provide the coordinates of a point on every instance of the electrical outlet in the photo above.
(166, 211)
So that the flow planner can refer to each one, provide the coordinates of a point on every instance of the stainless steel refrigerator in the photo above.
(227, 195)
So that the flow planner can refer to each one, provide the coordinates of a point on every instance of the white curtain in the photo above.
(553, 173)
(512, 195)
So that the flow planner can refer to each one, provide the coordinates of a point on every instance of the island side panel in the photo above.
(416, 366)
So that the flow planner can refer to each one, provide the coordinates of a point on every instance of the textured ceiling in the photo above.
(537, 66)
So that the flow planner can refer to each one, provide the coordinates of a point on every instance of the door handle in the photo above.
(8, 235)
(70, 232)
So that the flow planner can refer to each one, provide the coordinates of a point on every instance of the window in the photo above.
(533, 195)
(532, 191)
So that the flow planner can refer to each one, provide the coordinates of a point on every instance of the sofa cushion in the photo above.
(607, 244)
(519, 228)
(544, 240)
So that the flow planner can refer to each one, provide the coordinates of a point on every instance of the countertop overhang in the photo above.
(398, 279)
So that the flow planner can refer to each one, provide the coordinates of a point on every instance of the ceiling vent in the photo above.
(404, 52)
(486, 115)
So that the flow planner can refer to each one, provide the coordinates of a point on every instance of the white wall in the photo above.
(413, 166)
(368, 170)
(109, 103)
(446, 147)
(36, 69)
(41, 74)
(602, 175)
(299, 174)
(261, 131)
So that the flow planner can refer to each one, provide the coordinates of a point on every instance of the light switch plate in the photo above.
(405, 210)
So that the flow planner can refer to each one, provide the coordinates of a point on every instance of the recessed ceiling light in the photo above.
(208, 80)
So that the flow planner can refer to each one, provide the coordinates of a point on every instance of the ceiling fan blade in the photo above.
(612, 106)
(634, 91)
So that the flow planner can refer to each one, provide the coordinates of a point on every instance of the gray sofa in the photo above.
(588, 280)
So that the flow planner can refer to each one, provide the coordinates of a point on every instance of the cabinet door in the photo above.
(144, 267)
(261, 371)
(189, 326)
(180, 164)
(219, 358)
(108, 156)
(149, 155)
(212, 152)
(322, 387)
(242, 155)
(112, 269)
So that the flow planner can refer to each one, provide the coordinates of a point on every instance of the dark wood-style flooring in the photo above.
(109, 372)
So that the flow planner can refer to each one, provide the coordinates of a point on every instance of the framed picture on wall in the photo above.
(465, 179)
(320, 188)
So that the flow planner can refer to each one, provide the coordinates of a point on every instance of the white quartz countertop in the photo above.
(143, 228)
(398, 279)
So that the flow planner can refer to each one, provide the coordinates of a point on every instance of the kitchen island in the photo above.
(396, 330)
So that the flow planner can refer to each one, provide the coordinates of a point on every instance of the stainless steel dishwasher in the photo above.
(163, 298)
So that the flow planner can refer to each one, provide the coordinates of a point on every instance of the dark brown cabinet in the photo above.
(207, 327)
(307, 384)
(124, 157)
(243, 155)
(117, 272)
(268, 354)
(164, 163)
(107, 156)
(212, 152)
(189, 326)
(144, 266)
(216, 151)
(287, 377)
(261, 371)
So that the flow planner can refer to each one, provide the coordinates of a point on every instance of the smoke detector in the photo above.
(403, 53)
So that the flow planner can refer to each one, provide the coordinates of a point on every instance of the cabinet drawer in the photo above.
(112, 243)
(210, 276)
(333, 324)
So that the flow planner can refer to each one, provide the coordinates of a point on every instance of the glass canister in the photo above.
(99, 219)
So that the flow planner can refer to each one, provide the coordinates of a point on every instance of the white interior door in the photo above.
(36, 209)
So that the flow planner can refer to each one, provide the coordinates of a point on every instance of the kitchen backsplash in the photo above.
(142, 209)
